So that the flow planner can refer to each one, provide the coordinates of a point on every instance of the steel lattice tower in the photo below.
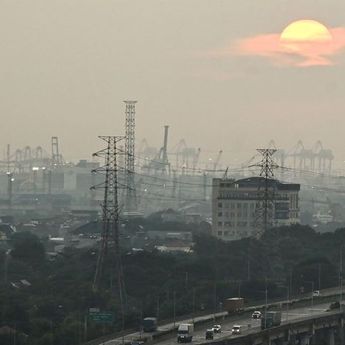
(110, 212)
(130, 156)
(264, 210)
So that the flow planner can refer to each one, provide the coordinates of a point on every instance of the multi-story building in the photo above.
(235, 206)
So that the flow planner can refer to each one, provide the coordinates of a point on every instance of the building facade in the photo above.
(235, 206)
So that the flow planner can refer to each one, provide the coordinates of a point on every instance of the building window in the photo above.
(220, 233)
(220, 214)
(239, 205)
(226, 233)
(245, 206)
(232, 206)
(220, 204)
(220, 223)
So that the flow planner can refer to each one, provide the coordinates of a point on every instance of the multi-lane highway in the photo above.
(248, 325)
(204, 322)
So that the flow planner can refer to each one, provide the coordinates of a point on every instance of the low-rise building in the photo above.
(235, 205)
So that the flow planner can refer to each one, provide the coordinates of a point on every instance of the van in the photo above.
(185, 333)
(236, 329)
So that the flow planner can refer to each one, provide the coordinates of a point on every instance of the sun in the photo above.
(306, 31)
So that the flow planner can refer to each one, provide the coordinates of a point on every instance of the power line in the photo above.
(110, 215)
(265, 204)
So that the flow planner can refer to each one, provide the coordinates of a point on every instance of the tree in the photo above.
(27, 247)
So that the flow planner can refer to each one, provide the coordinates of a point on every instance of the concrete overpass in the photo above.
(293, 310)
(326, 329)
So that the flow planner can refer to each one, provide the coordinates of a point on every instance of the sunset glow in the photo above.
(306, 31)
(303, 43)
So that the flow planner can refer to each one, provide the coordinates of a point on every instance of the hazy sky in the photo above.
(67, 65)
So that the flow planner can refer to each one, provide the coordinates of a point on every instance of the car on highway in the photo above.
(316, 293)
(209, 334)
(256, 315)
(217, 328)
(236, 329)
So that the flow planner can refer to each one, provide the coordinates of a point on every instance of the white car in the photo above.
(217, 328)
(316, 293)
(236, 329)
(256, 315)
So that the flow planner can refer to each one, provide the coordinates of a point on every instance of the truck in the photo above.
(150, 324)
(271, 319)
(234, 305)
(185, 333)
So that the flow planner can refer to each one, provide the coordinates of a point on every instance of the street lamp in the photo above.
(34, 171)
(10, 180)
(174, 303)
(287, 300)
(312, 293)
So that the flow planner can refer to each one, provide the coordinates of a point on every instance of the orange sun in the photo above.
(309, 31)
(307, 38)
(303, 43)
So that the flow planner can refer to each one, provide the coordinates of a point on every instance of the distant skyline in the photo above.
(67, 66)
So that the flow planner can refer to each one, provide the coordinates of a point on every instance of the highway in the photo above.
(246, 321)
(227, 323)
(248, 324)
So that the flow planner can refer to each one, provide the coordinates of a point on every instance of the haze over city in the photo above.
(172, 171)
(68, 65)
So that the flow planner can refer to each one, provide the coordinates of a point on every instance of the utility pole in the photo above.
(266, 293)
(341, 276)
(193, 311)
(312, 296)
(157, 307)
(174, 307)
(10, 181)
(110, 216)
(248, 259)
(287, 304)
(215, 301)
(204, 186)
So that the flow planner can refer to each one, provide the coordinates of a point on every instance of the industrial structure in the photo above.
(131, 203)
(175, 175)
(316, 159)
(110, 236)
(235, 202)
(264, 207)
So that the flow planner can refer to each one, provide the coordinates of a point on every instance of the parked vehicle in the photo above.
(271, 319)
(233, 305)
(209, 334)
(316, 293)
(150, 324)
(236, 329)
(256, 315)
(185, 333)
(217, 328)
